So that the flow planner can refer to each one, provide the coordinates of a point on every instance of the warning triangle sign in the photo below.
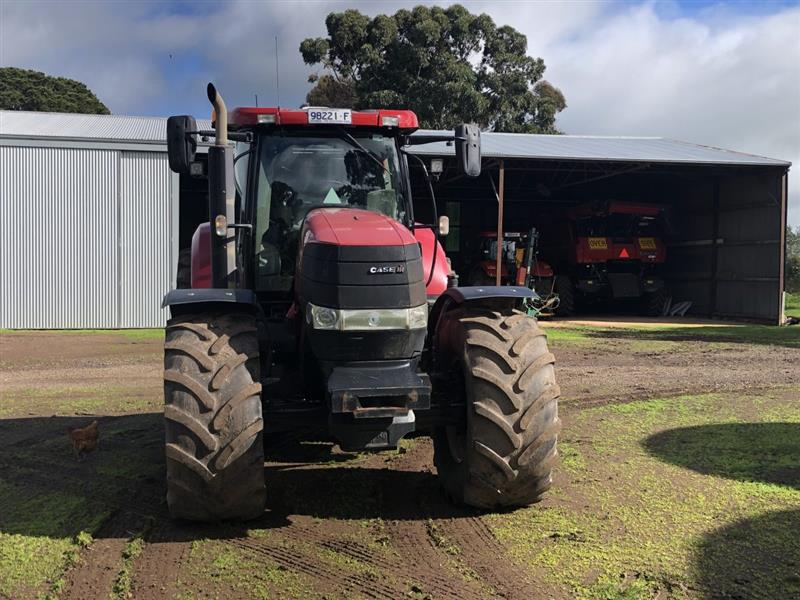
(624, 253)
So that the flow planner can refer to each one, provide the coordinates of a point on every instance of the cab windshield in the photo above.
(299, 172)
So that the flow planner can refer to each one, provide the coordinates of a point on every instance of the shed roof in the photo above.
(601, 148)
(98, 128)
(119, 128)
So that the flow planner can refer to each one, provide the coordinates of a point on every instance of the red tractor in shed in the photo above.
(317, 299)
(611, 251)
(519, 265)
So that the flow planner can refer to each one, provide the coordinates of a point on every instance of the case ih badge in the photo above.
(387, 269)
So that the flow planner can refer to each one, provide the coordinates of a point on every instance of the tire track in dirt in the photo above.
(414, 565)
(487, 557)
(364, 584)
(474, 545)
(96, 571)
(156, 570)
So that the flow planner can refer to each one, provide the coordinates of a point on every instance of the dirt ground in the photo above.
(654, 496)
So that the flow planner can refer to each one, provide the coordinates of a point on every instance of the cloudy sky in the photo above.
(721, 74)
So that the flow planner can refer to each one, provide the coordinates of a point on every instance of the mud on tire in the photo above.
(505, 454)
(214, 450)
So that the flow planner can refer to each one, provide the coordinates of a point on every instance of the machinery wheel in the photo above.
(653, 303)
(212, 395)
(566, 296)
(504, 454)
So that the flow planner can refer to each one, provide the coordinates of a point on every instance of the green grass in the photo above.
(557, 336)
(669, 339)
(70, 399)
(122, 584)
(216, 562)
(670, 495)
(46, 518)
(792, 306)
(40, 535)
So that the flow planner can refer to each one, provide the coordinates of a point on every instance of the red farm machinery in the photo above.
(612, 252)
(317, 299)
(520, 265)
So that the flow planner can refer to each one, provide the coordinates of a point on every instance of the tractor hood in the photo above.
(354, 227)
(351, 258)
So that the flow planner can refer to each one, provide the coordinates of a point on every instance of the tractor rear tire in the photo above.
(566, 296)
(212, 394)
(653, 303)
(504, 454)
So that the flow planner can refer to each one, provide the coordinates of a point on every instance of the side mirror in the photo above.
(444, 225)
(468, 149)
(181, 142)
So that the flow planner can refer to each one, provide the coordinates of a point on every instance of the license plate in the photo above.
(336, 117)
(598, 243)
(647, 243)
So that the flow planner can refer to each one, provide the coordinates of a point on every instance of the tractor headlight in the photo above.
(368, 319)
(324, 318)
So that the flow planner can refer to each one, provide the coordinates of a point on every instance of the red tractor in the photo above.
(609, 251)
(317, 300)
(519, 265)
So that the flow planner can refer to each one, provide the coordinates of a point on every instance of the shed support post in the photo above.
(784, 183)
(714, 250)
(499, 245)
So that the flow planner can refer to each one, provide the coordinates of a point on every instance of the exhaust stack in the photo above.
(221, 198)
(222, 114)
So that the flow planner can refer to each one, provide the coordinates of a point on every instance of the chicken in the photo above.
(84, 439)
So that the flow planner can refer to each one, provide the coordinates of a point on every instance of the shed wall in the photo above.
(90, 237)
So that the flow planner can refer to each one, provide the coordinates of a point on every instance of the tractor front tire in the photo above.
(566, 296)
(212, 394)
(504, 454)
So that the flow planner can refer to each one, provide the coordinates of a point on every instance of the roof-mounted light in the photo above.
(266, 119)
(390, 121)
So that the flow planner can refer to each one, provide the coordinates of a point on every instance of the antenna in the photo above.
(256, 95)
(277, 73)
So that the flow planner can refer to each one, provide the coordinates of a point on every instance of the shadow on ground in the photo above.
(752, 558)
(120, 489)
(359, 493)
(768, 452)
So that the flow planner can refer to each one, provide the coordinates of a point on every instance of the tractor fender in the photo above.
(487, 295)
(202, 299)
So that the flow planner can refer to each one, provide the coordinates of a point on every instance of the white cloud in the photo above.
(715, 77)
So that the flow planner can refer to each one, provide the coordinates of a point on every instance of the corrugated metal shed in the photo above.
(93, 207)
(59, 250)
(595, 148)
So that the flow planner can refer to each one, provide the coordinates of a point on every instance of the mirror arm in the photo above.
(236, 136)
(425, 138)
(434, 229)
